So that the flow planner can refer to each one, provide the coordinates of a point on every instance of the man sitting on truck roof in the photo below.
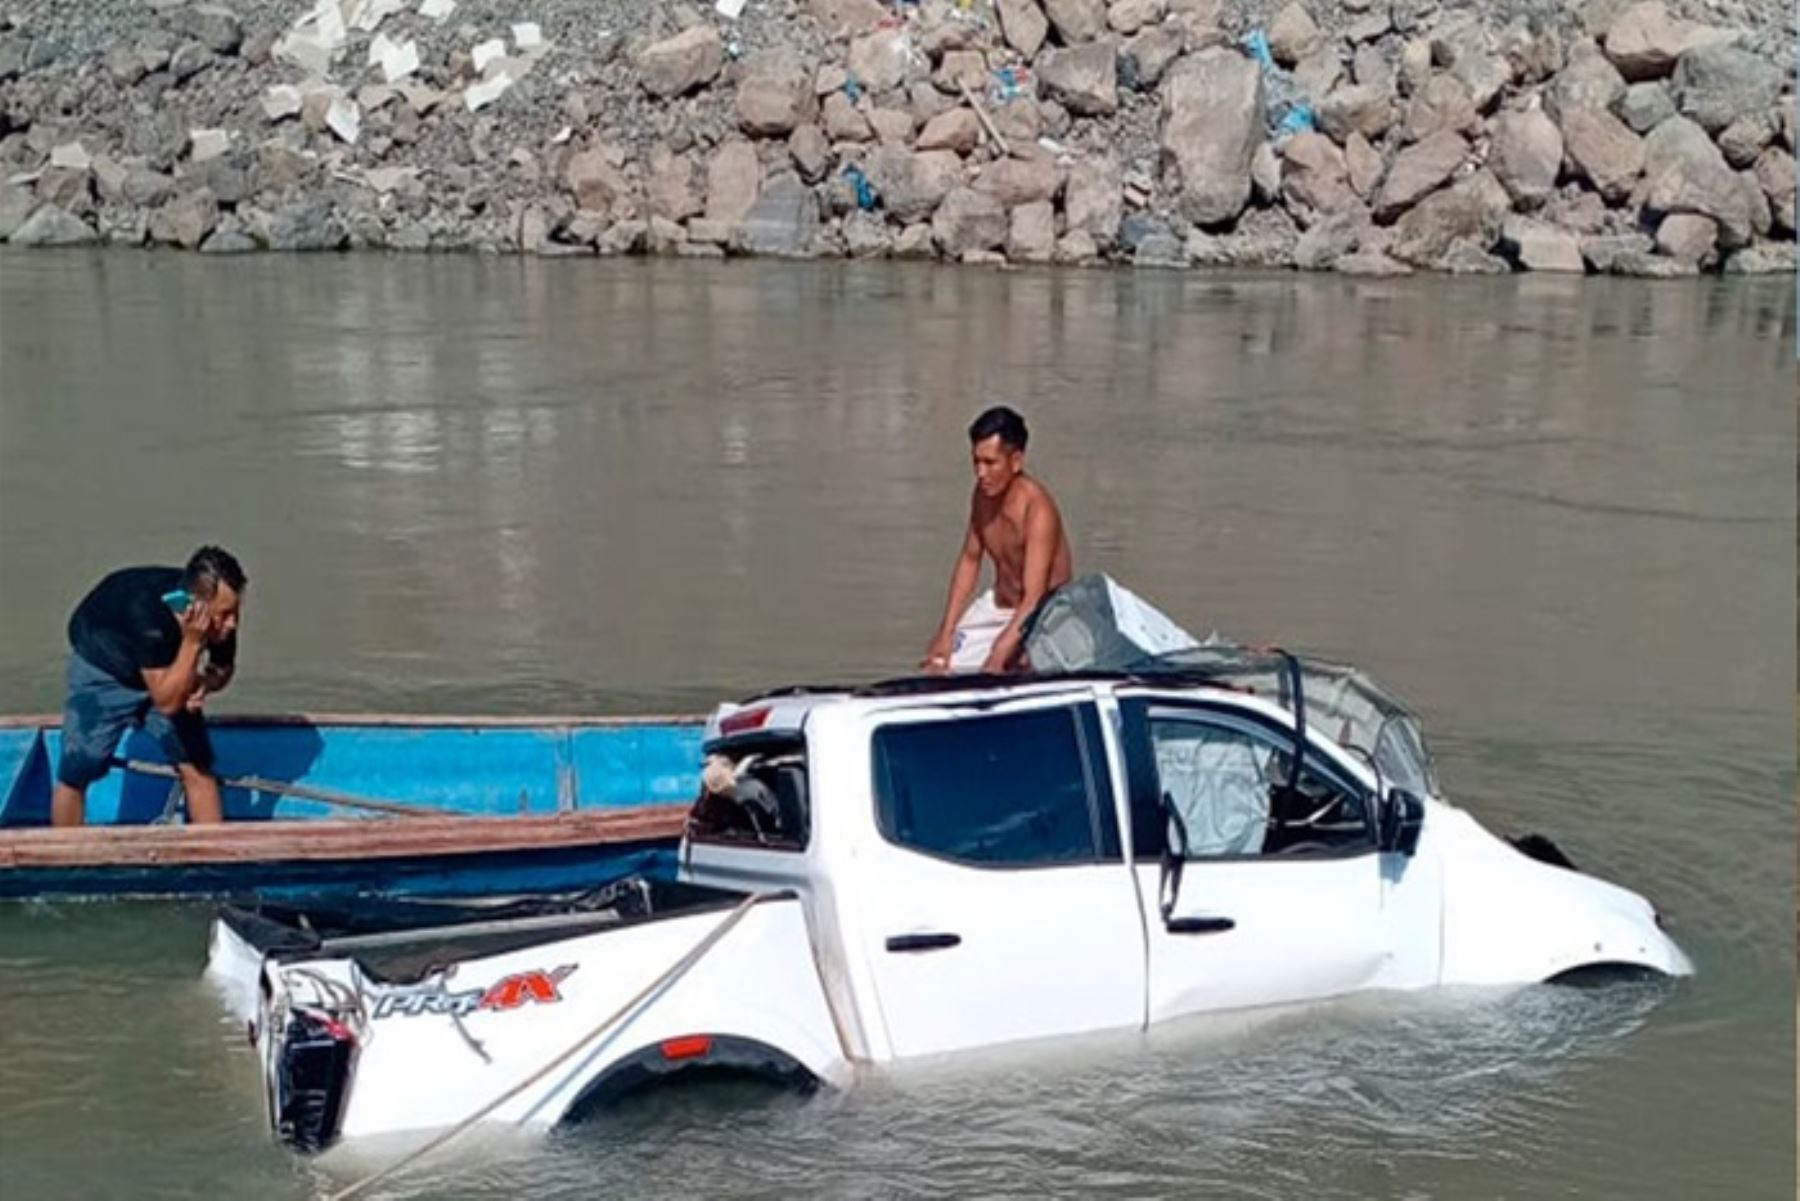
(1014, 521)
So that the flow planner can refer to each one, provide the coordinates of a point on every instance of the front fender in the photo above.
(1509, 919)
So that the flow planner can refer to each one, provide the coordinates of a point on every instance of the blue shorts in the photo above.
(99, 711)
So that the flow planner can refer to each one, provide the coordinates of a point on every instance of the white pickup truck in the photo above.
(929, 866)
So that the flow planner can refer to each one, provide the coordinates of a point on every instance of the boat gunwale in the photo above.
(335, 839)
(26, 721)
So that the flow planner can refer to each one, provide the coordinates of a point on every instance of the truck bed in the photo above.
(408, 1015)
(398, 940)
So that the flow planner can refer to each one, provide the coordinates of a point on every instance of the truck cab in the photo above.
(990, 861)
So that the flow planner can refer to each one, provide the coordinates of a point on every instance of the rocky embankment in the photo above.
(1365, 136)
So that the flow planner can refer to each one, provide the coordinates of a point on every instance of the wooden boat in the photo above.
(334, 807)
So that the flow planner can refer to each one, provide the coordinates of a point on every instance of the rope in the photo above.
(678, 968)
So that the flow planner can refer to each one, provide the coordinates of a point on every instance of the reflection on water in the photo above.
(1556, 516)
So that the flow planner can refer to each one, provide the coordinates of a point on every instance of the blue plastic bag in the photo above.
(1289, 111)
(865, 191)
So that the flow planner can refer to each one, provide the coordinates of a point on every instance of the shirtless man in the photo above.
(1013, 520)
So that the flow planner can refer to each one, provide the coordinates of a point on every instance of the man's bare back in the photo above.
(1014, 521)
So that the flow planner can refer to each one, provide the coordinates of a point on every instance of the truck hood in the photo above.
(1509, 918)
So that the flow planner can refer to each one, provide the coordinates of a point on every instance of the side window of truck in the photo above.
(1227, 779)
(1009, 790)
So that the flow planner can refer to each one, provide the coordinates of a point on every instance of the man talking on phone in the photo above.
(148, 646)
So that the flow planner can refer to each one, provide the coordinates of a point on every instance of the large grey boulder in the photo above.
(1016, 181)
(1716, 84)
(1764, 258)
(1355, 109)
(1444, 103)
(50, 226)
(1688, 237)
(306, 225)
(1644, 106)
(16, 204)
(733, 179)
(1212, 122)
(593, 179)
(1645, 41)
(1023, 24)
(1466, 214)
(775, 95)
(1031, 237)
(1604, 151)
(213, 26)
(1077, 21)
(1775, 172)
(879, 60)
(783, 222)
(1419, 170)
(688, 61)
(1314, 174)
(1094, 199)
(1685, 173)
(969, 220)
(1589, 81)
(911, 185)
(1294, 35)
(1540, 246)
(1526, 155)
(1083, 79)
(186, 220)
(1146, 57)
(1331, 239)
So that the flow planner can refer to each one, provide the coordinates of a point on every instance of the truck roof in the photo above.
(1343, 701)
(786, 708)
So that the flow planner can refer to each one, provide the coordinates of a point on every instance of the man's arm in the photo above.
(1042, 532)
(964, 579)
(170, 686)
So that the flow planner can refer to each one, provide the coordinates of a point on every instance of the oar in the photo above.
(323, 796)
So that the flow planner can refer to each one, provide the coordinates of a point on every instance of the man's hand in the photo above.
(937, 659)
(963, 579)
(212, 680)
(196, 623)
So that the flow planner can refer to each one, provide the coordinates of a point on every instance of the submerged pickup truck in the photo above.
(928, 866)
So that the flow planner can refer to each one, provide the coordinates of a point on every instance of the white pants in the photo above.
(981, 625)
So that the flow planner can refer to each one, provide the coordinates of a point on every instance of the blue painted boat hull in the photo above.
(490, 769)
(475, 769)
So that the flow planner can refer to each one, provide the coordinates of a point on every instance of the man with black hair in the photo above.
(148, 645)
(1014, 521)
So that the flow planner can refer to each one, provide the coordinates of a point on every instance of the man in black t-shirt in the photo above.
(148, 646)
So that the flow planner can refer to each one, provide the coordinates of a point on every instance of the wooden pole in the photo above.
(986, 122)
(323, 796)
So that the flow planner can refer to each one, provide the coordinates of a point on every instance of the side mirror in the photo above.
(1398, 822)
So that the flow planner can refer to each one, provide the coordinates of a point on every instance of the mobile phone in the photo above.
(178, 600)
